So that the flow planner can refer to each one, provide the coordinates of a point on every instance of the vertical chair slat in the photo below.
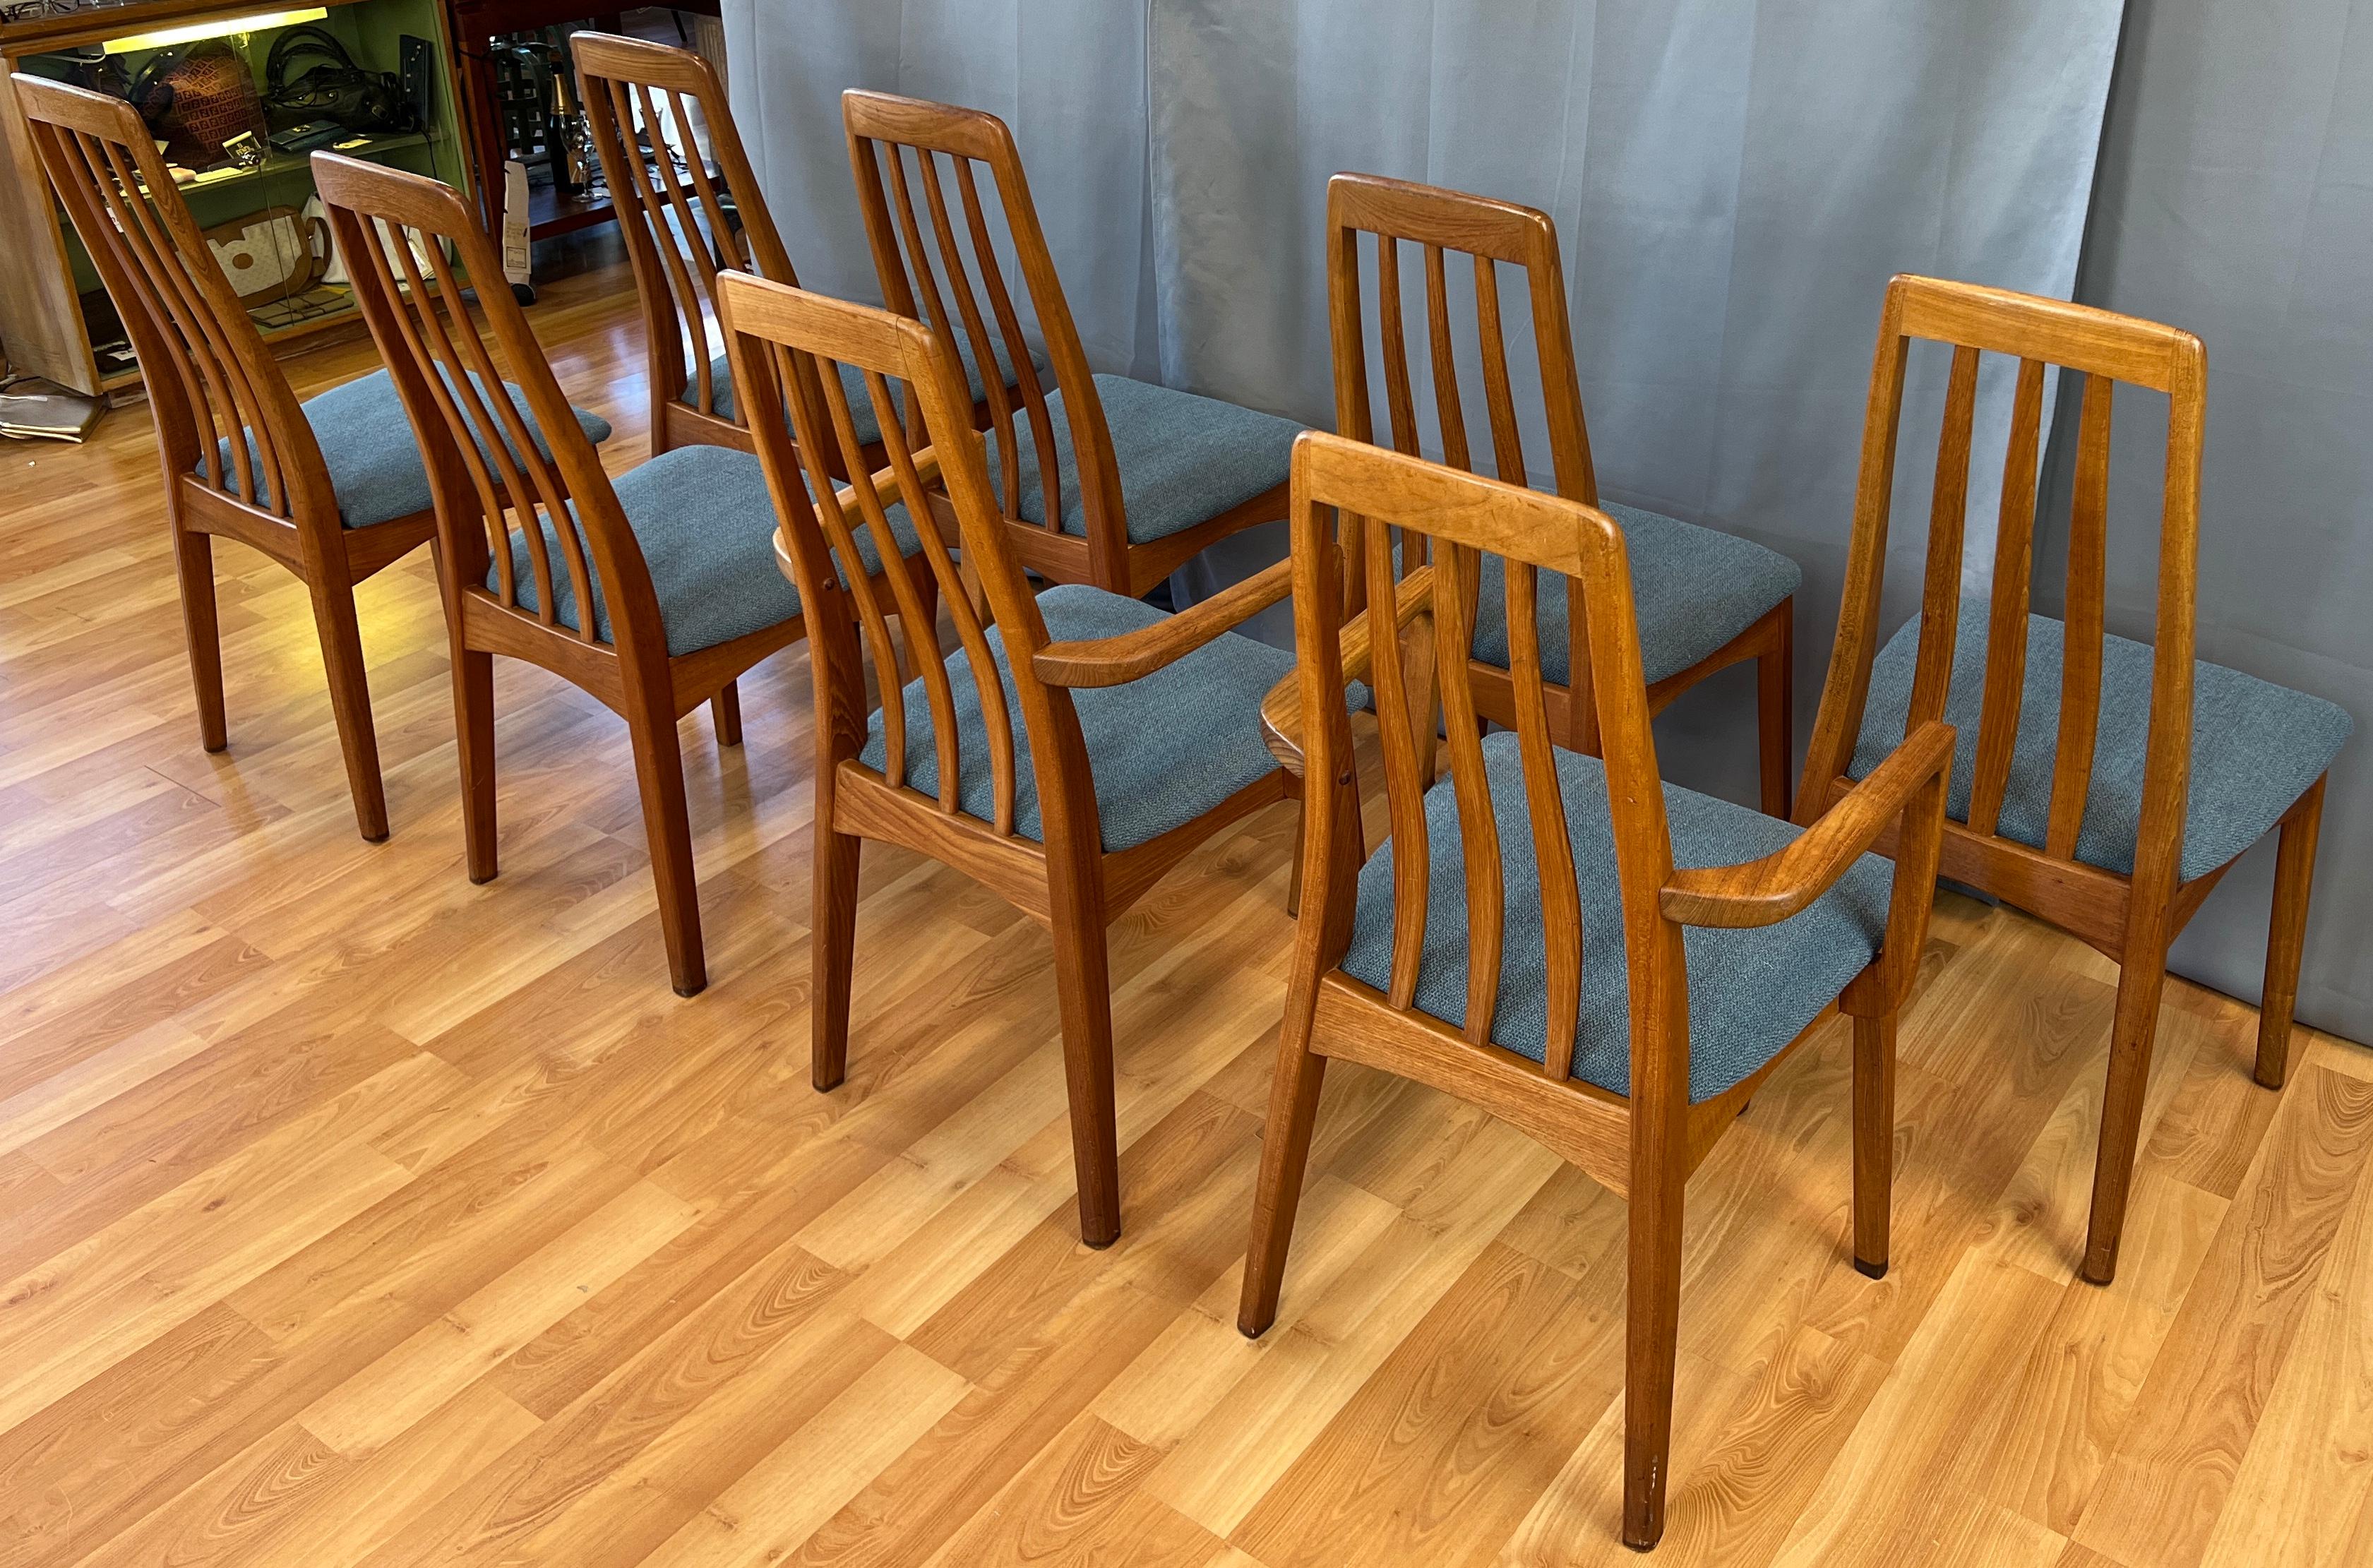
(671, 245)
(920, 635)
(1507, 445)
(974, 328)
(1947, 522)
(2006, 627)
(1400, 401)
(1545, 802)
(850, 565)
(2087, 601)
(1449, 413)
(1403, 787)
(1456, 575)
(1017, 347)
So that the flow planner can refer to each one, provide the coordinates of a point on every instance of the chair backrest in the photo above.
(1489, 234)
(2103, 349)
(209, 374)
(683, 221)
(934, 281)
(413, 247)
(789, 349)
(1463, 518)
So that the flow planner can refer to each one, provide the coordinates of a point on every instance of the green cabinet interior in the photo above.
(371, 31)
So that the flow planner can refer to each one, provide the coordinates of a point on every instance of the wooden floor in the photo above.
(352, 1214)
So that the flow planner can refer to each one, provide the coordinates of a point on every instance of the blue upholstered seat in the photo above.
(2256, 747)
(1163, 749)
(706, 527)
(373, 458)
(852, 380)
(1696, 588)
(1182, 459)
(1750, 991)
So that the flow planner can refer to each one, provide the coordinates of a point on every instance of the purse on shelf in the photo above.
(331, 87)
(195, 97)
(270, 252)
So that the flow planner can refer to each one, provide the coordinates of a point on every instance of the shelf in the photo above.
(365, 144)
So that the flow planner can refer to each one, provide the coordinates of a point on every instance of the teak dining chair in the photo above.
(332, 488)
(1141, 476)
(686, 219)
(2111, 783)
(1138, 736)
(652, 591)
(1612, 964)
(1707, 600)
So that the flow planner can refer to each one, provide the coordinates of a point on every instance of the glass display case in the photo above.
(238, 98)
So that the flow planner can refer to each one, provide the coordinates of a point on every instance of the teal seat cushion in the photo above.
(853, 380)
(1695, 587)
(2256, 746)
(706, 527)
(1182, 459)
(1750, 991)
(373, 458)
(1163, 749)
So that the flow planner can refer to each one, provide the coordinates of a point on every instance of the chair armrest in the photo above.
(885, 482)
(1116, 661)
(1765, 892)
(1282, 709)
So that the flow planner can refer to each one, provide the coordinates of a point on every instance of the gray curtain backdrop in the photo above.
(2236, 200)
(1733, 181)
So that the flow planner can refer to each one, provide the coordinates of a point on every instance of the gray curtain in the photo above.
(2236, 200)
(1733, 181)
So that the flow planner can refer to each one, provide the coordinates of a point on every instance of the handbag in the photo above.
(331, 87)
(271, 253)
(194, 98)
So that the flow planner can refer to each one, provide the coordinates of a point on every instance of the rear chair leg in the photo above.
(832, 948)
(667, 820)
(2287, 935)
(1285, 1154)
(193, 560)
(725, 708)
(2141, 978)
(1083, 988)
(341, 658)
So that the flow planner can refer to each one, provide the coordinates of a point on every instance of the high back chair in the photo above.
(1137, 736)
(332, 488)
(1100, 479)
(1524, 941)
(1707, 600)
(652, 592)
(2104, 785)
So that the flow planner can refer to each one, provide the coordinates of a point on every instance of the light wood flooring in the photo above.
(351, 1214)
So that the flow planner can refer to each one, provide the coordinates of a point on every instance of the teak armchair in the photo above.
(1141, 476)
(652, 592)
(332, 488)
(1524, 941)
(2090, 796)
(1707, 600)
(1139, 734)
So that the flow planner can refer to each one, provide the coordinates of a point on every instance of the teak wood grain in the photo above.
(209, 378)
(415, 241)
(790, 348)
(2133, 917)
(1641, 1146)
(1491, 234)
(211, 989)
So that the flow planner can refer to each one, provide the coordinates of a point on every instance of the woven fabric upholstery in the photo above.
(1750, 991)
(2256, 747)
(373, 458)
(1163, 749)
(1695, 587)
(1182, 459)
(852, 381)
(706, 527)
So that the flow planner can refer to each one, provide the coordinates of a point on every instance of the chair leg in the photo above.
(2287, 935)
(667, 819)
(1873, 1140)
(1775, 709)
(473, 731)
(342, 657)
(2141, 979)
(725, 709)
(193, 560)
(832, 946)
(1285, 1154)
(1651, 1330)
(1083, 987)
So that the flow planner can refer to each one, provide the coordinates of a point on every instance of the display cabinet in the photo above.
(238, 95)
